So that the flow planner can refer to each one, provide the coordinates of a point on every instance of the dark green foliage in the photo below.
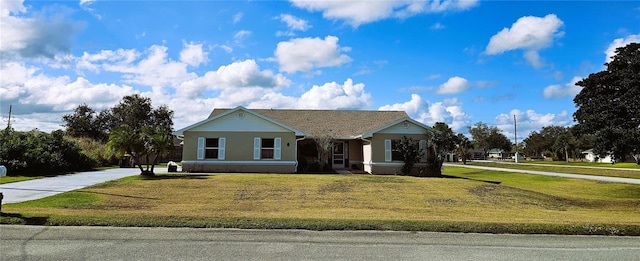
(86, 122)
(411, 153)
(440, 142)
(462, 147)
(609, 107)
(36, 153)
(487, 138)
(141, 131)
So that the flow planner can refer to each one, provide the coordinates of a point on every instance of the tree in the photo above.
(549, 136)
(565, 143)
(497, 140)
(608, 105)
(157, 141)
(140, 130)
(123, 140)
(479, 135)
(411, 153)
(463, 146)
(85, 122)
(441, 141)
(324, 145)
(534, 144)
(487, 138)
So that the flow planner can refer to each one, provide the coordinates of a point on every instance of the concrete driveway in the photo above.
(39, 188)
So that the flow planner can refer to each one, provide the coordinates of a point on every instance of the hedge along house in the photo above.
(282, 141)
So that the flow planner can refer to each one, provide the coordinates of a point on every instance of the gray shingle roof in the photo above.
(340, 123)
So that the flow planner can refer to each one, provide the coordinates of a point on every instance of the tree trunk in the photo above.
(137, 162)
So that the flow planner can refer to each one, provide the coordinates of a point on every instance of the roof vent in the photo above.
(241, 115)
(405, 125)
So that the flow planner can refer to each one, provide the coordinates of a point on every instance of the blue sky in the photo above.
(460, 62)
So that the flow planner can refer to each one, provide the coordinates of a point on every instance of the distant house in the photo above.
(592, 157)
(501, 154)
(280, 141)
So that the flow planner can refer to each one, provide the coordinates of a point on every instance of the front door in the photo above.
(337, 157)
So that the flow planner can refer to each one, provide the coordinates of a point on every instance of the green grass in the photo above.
(559, 168)
(10, 179)
(510, 203)
(621, 165)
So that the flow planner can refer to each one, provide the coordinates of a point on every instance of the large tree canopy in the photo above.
(609, 105)
(487, 138)
(140, 130)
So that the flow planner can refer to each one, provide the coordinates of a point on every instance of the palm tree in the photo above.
(124, 140)
(157, 141)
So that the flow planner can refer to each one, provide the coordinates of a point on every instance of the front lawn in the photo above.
(472, 203)
(597, 170)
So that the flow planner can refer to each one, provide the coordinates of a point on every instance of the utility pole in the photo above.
(9, 121)
(515, 134)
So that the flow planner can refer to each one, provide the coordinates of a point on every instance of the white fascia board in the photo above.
(180, 132)
(369, 134)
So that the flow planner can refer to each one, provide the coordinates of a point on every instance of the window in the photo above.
(396, 154)
(211, 148)
(391, 151)
(266, 148)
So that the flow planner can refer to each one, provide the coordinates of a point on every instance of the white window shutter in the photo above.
(256, 148)
(221, 144)
(387, 150)
(423, 149)
(200, 148)
(277, 144)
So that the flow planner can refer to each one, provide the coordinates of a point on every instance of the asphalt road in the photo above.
(109, 243)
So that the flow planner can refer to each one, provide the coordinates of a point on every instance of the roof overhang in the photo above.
(369, 134)
(180, 132)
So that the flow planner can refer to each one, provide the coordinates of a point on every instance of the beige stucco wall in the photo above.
(239, 145)
(199, 166)
(239, 153)
(377, 142)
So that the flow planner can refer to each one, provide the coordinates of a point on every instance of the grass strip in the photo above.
(327, 224)
(620, 173)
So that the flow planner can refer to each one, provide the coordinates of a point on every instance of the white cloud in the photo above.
(237, 17)
(231, 78)
(335, 96)
(570, 89)
(40, 100)
(437, 26)
(529, 121)
(449, 111)
(357, 13)
(192, 54)
(241, 35)
(528, 33)
(40, 36)
(12, 7)
(294, 23)
(620, 42)
(86, 5)
(305, 54)
(453, 85)
(86, 2)
(155, 69)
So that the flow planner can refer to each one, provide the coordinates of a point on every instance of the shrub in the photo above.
(95, 150)
(37, 153)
